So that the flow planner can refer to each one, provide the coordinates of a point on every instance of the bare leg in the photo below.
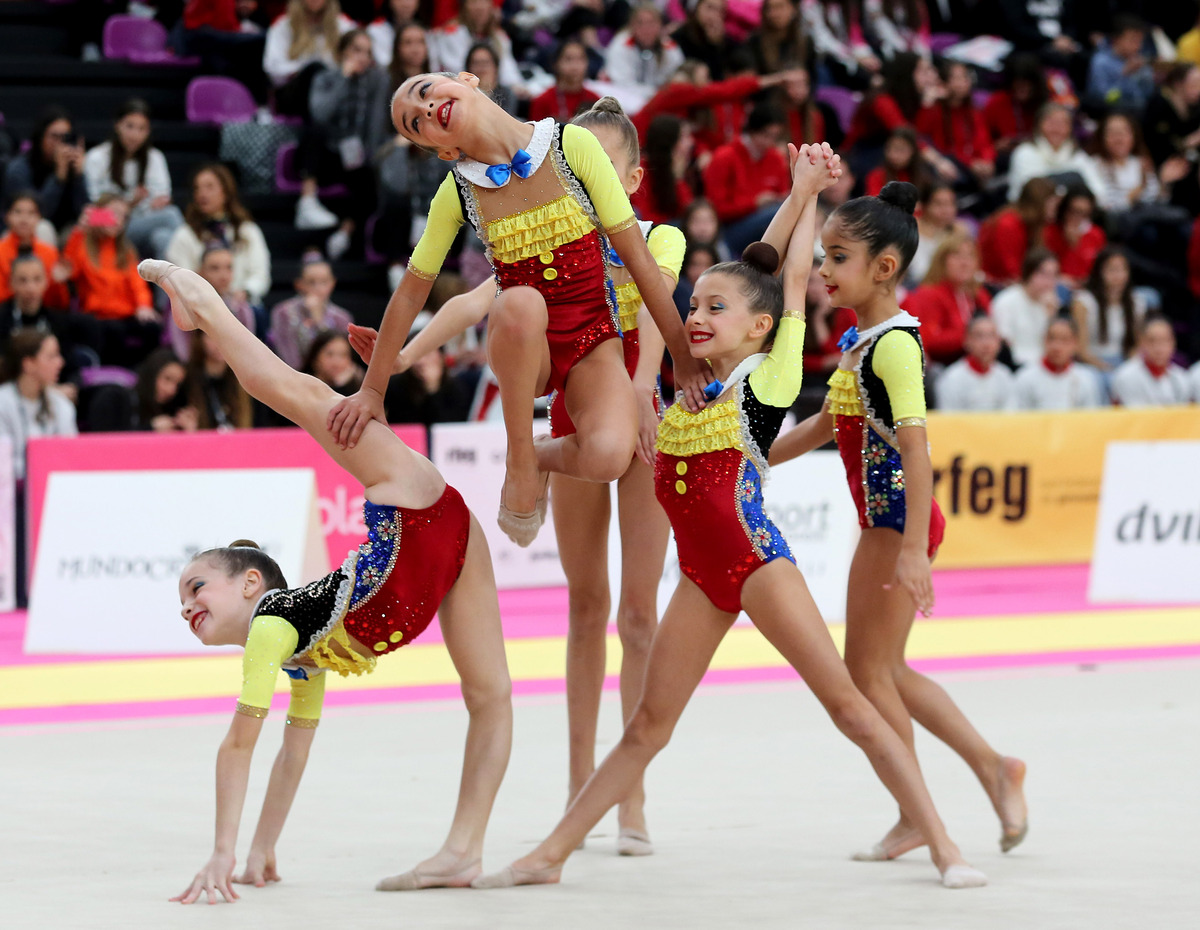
(390, 471)
(645, 530)
(877, 630)
(681, 652)
(601, 402)
(520, 358)
(779, 603)
(470, 620)
(581, 515)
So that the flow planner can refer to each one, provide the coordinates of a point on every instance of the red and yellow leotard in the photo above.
(545, 231)
(884, 392)
(383, 596)
(711, 467)
(667, 246)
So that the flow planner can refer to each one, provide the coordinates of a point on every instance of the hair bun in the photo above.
(900, 194)
(243, 544)
(608, 105)
(762, 256)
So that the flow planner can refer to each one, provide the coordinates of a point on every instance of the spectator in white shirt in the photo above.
(1023, 311)
(1107, 338)
(1050, 153)
(976, 381)
(384, 30)
(641, 53)
(130, 167)
(1057, 382)
(300, 44)
(30, 403)
(1194, 378)
(1150, 378)
(478, 20)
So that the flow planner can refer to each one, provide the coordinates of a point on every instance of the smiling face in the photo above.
(218, 607)
(720, 323)
(851, 275)
(435, 111)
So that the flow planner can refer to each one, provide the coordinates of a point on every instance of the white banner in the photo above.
(807, 499)
(8, 527)
(112, 545)
(1148, 530)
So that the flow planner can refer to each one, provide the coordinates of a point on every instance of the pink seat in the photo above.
(219, 100)
(287, 176)
(144, 41)
(843, 102)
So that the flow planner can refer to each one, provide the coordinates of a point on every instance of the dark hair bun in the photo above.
(608, 105)
(243, 544)
(900, 194)
(762, 256)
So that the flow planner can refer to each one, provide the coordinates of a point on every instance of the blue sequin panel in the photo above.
(764, 536)
(377, 555)
(884, 489)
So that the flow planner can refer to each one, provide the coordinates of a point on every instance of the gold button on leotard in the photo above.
(381, 646)
(550, 274)
(546, 258)
(681, 468)
(680, 487)
(396, 637)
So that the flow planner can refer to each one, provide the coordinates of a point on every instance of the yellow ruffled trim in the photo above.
(629, 302)
(711, 430)
(843, 396)
(353, 663)
(541, 229)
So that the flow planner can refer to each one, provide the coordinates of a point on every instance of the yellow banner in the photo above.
(1024, 488)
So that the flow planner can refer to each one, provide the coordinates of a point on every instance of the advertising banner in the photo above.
(1148, 533)
(112, 547)
(1024, 488)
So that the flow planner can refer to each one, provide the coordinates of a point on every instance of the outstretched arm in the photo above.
(233, 773)
(805, 436)
(457, 315)
(645, 379)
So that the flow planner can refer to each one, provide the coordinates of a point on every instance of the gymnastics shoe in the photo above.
(963, 876)
(634, 843)
(510, 877)
(522, 528)
(416, 880)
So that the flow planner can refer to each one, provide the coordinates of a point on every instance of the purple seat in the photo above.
(107, 374)
(219, 100)
(940, 41)
(372, 257)
(842, 101)
(144, 41)
(287, 176)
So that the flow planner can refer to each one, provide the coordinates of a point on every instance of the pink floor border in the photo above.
(192, 707)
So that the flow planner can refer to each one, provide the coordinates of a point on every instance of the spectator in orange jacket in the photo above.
(748, 178)
(22, 219)
(100, 260)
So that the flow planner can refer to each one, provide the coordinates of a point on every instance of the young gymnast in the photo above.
(582, 508)
(424, 552)
(542, 198)
(708, 476)
(876, 409)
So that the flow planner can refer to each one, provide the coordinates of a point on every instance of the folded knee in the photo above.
(605, 455)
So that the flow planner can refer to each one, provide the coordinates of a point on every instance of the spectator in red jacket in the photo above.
(568, 95)
(1007, 236)
(956, 128)
(748, 178)
(1074, 237)
(808, 121)
(213, 30)
(901, 162)
(948, 297)
(667, 159)
(1011, 112)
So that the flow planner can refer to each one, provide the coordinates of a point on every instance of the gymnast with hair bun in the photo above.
(424, 553)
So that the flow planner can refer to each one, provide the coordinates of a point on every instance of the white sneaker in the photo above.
(312, 214)
(337, 245)
(395, 276)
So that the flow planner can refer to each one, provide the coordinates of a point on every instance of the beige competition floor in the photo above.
(754, 809)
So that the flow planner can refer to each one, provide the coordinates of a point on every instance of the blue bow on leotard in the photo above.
(614, 258)
(522, 164)
(849, 339)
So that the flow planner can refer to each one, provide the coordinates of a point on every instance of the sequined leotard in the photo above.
(667, 246)
(543, 231)
(383, 596)
(883, 393)
(711, 467)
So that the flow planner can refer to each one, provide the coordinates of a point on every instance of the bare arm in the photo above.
(281, 792)
(912, 566)
(233, 773)
(645, 378)
(804, 437)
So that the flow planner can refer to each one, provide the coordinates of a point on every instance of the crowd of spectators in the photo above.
(1059, 258)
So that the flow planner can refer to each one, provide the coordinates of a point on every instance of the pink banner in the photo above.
(340, 495)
